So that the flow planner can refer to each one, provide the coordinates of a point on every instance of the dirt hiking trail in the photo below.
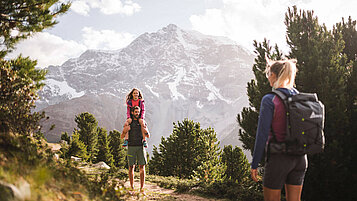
(154, 192)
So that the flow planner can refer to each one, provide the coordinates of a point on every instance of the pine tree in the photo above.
(77, 147)
(20, 19)
(87, 129)
(104, 153)
(65, 137)
(256, 89)
(210, 170)
(118, 152)
(349, 34)
(157, 161)
(236, 163)
(187, 148)
(19, 84)
(322, 69)
(20, 81)
(65, 146)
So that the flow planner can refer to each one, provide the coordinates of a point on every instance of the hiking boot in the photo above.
(125, 144)
(145, 144)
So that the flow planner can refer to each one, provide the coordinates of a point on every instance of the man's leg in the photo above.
(131, 176)
(142, 177)
(142, 162)
(131, 163)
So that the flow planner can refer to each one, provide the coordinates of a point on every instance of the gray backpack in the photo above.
(305, 116)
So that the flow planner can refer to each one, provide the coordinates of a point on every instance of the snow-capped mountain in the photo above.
(182, 74)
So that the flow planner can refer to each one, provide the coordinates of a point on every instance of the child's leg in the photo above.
(143, 127)
(128, 121)
(126, 132)
(126, 137)
(143, 131)
(127, 128)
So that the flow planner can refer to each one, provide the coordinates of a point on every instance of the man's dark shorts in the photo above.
(136, 154)
(284, 169)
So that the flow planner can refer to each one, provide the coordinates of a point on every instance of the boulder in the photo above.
(10, 192)
(73, 158)
(101, 165)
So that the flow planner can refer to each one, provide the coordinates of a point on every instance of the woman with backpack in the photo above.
(280, 169)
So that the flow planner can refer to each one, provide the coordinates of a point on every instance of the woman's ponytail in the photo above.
(285, 71)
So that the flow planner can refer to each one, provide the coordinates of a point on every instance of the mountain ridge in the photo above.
(182, 74)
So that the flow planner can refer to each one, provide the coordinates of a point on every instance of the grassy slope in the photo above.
(24, 159)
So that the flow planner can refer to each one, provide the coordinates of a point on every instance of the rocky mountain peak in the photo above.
(182, 73)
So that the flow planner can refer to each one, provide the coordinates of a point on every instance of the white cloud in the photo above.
(331, 12)
(105, 39)
(248, 20)
(80, 7)
(107, 7)
(244, 21)
(48, 49)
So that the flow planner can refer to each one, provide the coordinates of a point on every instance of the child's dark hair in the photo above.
(130, 95)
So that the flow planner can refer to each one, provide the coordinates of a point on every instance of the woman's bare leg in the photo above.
(271, 194)
(293, 192)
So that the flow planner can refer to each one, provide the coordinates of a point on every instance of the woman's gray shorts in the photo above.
(284, 169)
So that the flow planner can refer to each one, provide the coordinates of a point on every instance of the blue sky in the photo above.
(113, 24)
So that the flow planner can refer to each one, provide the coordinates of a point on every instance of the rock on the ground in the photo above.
(73, 158)
(101, 165)
(10, 192)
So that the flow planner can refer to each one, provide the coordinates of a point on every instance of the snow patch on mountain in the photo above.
(173, 85)
(199, 105)
(62, 88)
(215, 93)
(150, 88)
(183, 41)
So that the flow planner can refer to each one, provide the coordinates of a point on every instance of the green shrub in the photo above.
(232, 191)
(179, 185)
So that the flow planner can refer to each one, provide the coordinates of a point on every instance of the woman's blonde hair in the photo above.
(130, 95)
(285, 71)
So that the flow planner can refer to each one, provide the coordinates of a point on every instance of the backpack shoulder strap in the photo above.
(281, 95)
(284, 99)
